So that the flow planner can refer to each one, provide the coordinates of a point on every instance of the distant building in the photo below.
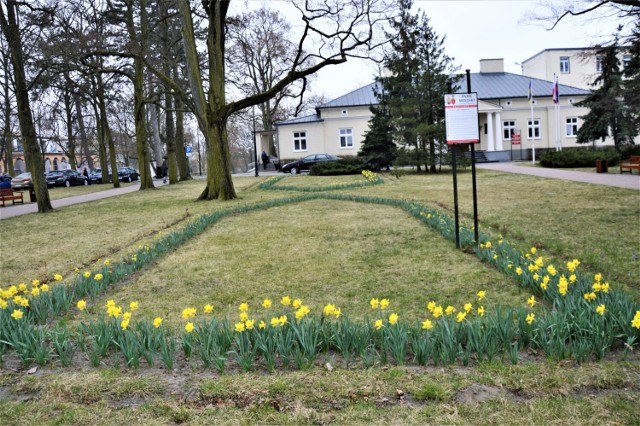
(338, 127)
(577, 67)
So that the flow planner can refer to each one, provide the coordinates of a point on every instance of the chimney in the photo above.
(491, 65)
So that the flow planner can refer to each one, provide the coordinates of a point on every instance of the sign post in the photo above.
(516, 140)
(462, 127)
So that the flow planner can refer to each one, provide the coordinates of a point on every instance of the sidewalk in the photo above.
(607, 179)
(26, 208)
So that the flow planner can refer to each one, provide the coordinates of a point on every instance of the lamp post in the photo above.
(255, 148)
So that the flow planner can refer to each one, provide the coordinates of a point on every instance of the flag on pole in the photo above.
(530, 94)
(554, 92)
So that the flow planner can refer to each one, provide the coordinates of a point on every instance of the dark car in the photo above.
(5, 178)
(22, 181)
(66, 178)
(96, 176)
(128, 174)
(304, 164)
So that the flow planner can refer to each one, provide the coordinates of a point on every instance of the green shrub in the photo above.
(344, 166)
(578, 157)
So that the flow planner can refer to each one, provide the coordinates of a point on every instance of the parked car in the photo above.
(66, 178)
(304, 164)
(22, 181)
(128, 174)
(96, 176)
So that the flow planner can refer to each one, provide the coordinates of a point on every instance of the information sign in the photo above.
(188, 150)
(461, 118)
(515, 139)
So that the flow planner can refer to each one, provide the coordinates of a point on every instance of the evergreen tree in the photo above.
(378, 148)
(416, 90)
(608, 114)
(632, 77)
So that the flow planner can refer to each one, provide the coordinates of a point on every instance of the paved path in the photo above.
(608, 179)
(27, 207)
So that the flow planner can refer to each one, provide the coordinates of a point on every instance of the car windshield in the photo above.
(23, 176)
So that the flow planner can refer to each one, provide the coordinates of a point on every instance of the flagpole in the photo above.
(533, 140)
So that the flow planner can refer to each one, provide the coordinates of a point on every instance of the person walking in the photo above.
(265, 159)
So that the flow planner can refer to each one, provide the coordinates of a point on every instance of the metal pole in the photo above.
(255, 148)
(455, 196)
(199, 158)
(473, 174)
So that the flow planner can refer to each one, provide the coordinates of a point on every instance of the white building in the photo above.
(338, 127)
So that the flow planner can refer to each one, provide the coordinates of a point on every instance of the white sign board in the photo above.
(461, 118)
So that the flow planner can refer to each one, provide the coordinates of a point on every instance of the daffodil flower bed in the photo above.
(369, 178)
(570, 314)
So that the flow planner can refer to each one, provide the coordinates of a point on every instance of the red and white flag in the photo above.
(555, 95)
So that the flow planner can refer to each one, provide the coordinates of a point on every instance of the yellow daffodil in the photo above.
(572, 278)
(431, 306)
(35, 283)
(468, 307)
(3, 304)
(275, 322)
(126, 315)
(24, 302)
(393, 318)
(81, 305)
(530, 318)
(35, 291)
(244, 307)
(551, 270)
(44, 288)
(589, 297)
(286, 301)
(605, 288)
(302, 311)
(17, 314)
(450, 310)
(519, 270)
(461, 316)
(133, 306)
(600, 309)
(107, 262)
(87, 274)
(531, 301)
(598, 277)
(282, 320)
(384, 304)
(534, 250)
(22, 287)
(329, 309)
(157, 322)
(495, 257)
(208, 308)
(244, 316)
(481, 311)
(427, 325)
(124, 324)
(437, 311)
(375, 303)
(98, 277)
(57, 277)
(296, 303)
(635, 322)
(248, 324)
(266, 303)
(262, 325)
(487, 244)
(536, 276)
(188, 313)
(481, 295)
(188, 327)
(596, 287)
(377, 324)
(545, 282)
(563, 285)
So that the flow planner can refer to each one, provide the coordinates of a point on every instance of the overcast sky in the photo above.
(481, 29)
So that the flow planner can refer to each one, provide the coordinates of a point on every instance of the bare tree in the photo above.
(332, 31)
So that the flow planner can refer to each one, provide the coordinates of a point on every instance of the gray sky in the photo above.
(480, 30)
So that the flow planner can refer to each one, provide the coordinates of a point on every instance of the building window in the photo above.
(299, 141)
(346, 138)
(508, 128)
(533, 128)
(599, 60)
(626, 61)
(572, 126)
(564, 64)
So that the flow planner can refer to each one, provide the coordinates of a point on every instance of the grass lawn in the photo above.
(326, 251)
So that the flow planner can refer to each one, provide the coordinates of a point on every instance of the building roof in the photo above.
(305, 119)
(503, 85)
(363, 96)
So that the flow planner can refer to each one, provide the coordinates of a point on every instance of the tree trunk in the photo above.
(171, 140)
(35, 164)
(8, 141)
(219, 180)
(183, 161)
(71, 141)
(102, 149)
(156, 143)
(106, 132)
(84, 141)
(138, 43)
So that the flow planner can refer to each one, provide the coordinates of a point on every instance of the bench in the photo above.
(7, 194)
(632, 163)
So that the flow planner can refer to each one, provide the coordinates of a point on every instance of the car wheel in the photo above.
(67, 183)
(294, 170)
